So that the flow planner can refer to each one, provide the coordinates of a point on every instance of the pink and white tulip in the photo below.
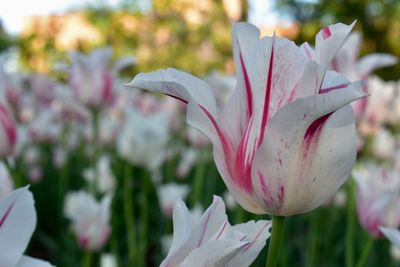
(17, 223)
(285, 141)
(90, 77)
(8, 132)
(212, 241)
(90, 219)
(378, 198)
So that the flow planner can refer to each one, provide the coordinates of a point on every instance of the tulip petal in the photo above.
(211, 222)
(215, 253)
(31, 262)
(182, 226)
(302, 145)
(17, 223)
(202, 109)
(392, 234)
(329, 40)
(371, 62)
(258, 233)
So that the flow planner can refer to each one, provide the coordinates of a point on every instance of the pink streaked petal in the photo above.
(268, 90)
(335, 87)
(294, 176)
(247, 85)
(326, 33)
(17, 225)
(8, 124)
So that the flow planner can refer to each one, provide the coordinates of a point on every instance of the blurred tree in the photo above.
(377, 20)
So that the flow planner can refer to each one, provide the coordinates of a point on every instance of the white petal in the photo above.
(329, 40)
(215, 253)
(304, 160)
(256, 234)
(371, 62)
(182, 226)
(31, 262)
(17, 223)
(392, 234)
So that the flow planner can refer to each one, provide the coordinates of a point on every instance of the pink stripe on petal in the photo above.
(177, 97)
(243, 161)
(267, 93)
(247, 85)
(4, 218)
(204, 228)
(312, 133)
(332, 88)
(223, 138)
(248, 246)
(107, 87)
(221, 231)
(326, 33)
(8, 124)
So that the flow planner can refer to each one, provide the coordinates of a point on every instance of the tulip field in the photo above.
(285, 152)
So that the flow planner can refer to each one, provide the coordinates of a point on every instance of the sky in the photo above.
(12, 12)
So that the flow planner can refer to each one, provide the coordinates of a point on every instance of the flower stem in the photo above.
(87, 260)
(144, 216)
(129, 215)
(350, 225)
(198, 182)
(365, 253)
(275, 241)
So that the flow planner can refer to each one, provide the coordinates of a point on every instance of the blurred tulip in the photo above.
(102, 178)
(188, 160)
(384, 144)
(285, 141)
(6, 181)
(378, 198)
(169, 194)
(143, 139)
(212, 241)
(108, 260)
(90, 219)
(17, 223)
(90, 77)
(8, 132)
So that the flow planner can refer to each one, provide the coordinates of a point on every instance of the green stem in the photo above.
(313, 240)
(144, 216)
(275, 241)
(365, 253)
(350, 225)
(198, 182)
(129, 215)
(87, 260)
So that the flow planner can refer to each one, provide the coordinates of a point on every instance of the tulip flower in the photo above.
(285, 140)
(143, 139)
(378, 198)
(90, 219)
(91, 78)
(212, 241)
(170, 193)
(346, 62)
(101, 178)
(384, 144)
(8, 132)
(17, 223)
